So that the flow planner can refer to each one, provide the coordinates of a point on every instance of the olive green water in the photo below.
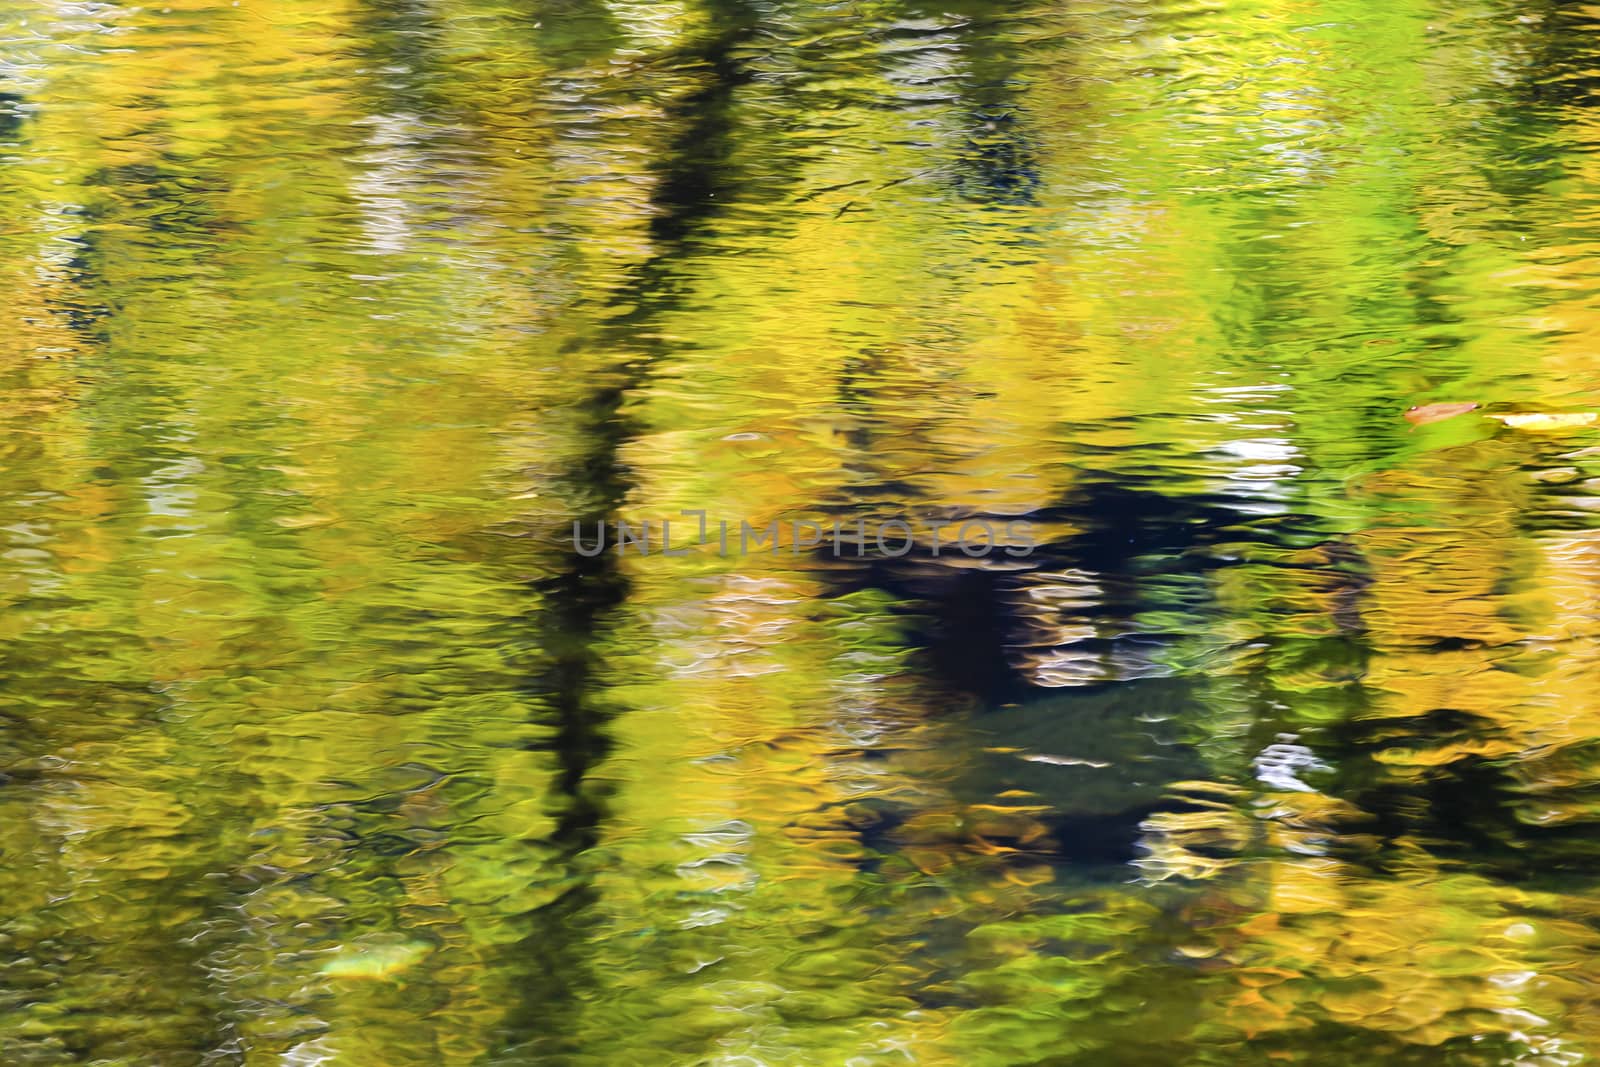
(323, 321)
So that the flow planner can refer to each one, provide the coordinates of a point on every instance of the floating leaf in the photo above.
(1065, 761)
(375, 959)
(303, 522)
(1543, 422)
(1423, 414)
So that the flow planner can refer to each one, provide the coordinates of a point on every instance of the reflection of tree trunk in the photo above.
(997, 163)
(587, 589)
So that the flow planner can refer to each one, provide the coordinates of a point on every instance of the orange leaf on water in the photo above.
(1423, 414)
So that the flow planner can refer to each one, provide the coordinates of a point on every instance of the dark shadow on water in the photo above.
(1108, 751)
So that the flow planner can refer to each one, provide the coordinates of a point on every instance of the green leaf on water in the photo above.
(375, 959)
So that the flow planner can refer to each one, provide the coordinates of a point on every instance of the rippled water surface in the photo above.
(323, 321)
